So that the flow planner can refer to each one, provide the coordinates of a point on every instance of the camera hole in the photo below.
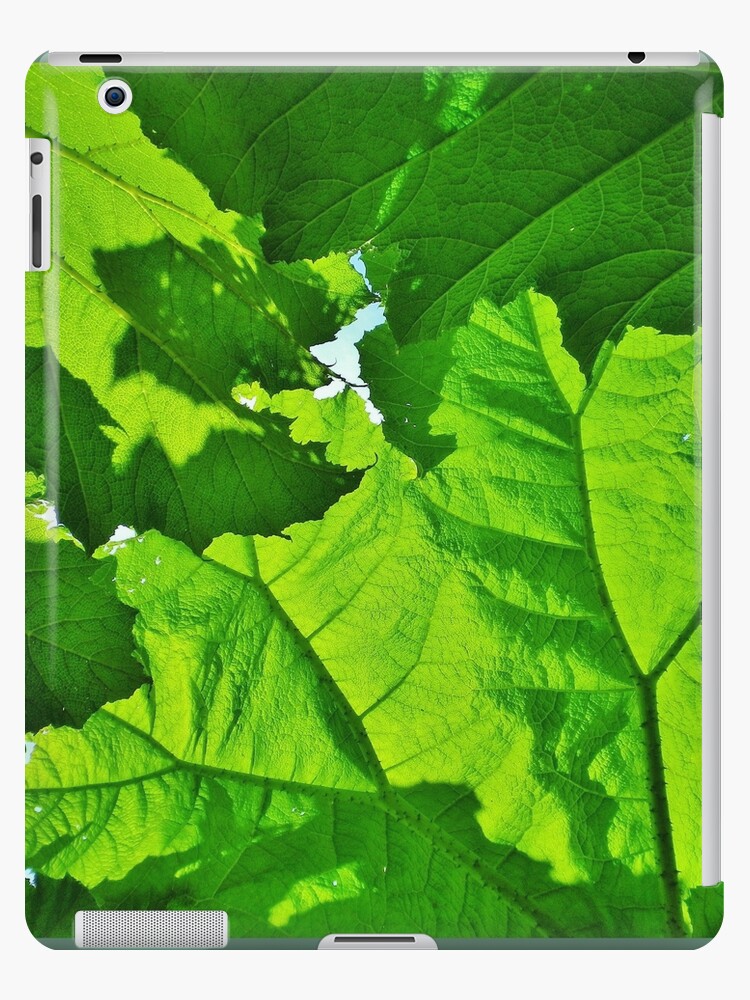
(115, 96)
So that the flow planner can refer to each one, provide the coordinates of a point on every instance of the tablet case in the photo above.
(363, 504)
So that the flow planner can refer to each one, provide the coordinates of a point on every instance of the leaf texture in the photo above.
(430, 708)
(439, 673)
(474, 183)
(164, 304)
(79, 646)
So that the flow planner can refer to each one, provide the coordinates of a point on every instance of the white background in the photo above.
(34, 26)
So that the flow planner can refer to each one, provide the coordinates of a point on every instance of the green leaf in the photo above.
(679, 706)
(352, 439)
(706, 906)
(409, 384)
(51, 905)
(163, 304)
(200, 467)
(130, 195)
(427, 711)
(79, 646)
(643, 477)
(484, 181)
(35, 487)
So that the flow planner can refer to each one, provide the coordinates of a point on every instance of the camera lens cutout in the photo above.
(37, 158)
(636, 57)
(115, 96)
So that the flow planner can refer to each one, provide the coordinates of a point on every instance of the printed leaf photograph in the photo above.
(363, 503)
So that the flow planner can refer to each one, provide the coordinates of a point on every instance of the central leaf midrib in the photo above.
(384, 797)
(657, 792)
(645, 686)
(392, 802)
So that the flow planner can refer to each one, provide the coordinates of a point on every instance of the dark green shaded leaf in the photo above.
(51, 906)
(486, 182)
(79, 647)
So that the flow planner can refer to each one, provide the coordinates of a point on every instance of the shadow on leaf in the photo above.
(308, 865)
(245, 475)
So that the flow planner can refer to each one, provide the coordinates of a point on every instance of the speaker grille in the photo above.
(151, 929)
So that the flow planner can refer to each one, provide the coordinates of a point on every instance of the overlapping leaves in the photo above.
(461, 694)
(79, 650)
(164, 304)
(462, 183)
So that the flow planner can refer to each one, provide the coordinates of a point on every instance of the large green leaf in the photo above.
(430, 710)
(155, 307)
(473, 182)
(79, 647)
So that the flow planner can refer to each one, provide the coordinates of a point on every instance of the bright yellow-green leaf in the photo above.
(426, 710)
